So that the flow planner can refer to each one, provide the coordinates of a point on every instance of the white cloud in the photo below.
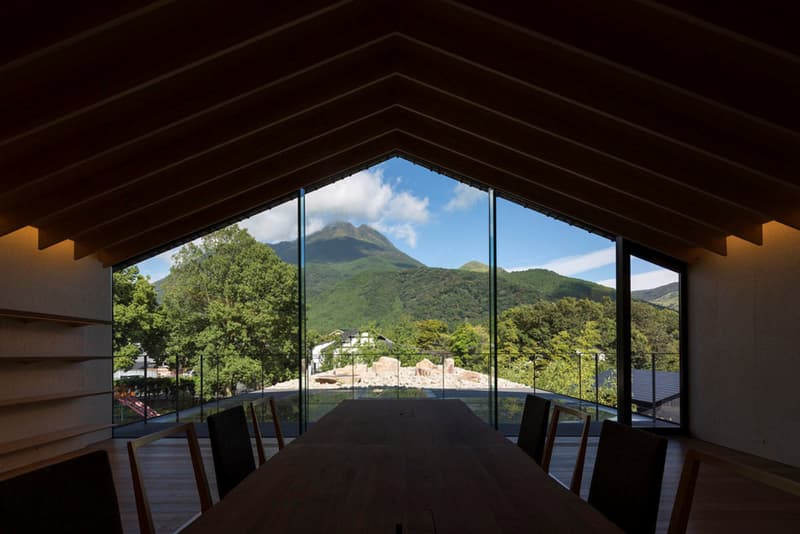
(464, 197)
(570, 265)
(646, 280)
(405, 231)
(364, 197)
(277, 224)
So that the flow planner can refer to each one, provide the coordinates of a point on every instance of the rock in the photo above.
(325, 380)
(343, 371)
(449, 366)
(349, 370)
(472, 376)
(386, 366)
(424, 367)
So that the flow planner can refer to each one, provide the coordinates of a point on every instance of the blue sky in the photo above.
(444, 223)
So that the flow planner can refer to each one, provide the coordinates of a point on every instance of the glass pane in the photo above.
(557, 317)
(397, 288)
(655, 345)
(214, 324)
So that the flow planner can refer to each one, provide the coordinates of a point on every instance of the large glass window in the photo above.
(379, 285)
(209, 325)
(556, 315)
(655, 345)
(397, 288)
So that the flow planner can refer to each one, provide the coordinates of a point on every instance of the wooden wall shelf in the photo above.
(28, 316)
(50, 437)
(33, 358)
(51, 397)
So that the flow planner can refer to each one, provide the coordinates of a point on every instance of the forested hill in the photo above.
(667, 295)
(450, 295)
(355, 276)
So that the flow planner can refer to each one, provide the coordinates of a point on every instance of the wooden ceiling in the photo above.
(132, 125)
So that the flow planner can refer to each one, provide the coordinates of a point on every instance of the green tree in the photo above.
(469, 345)
(431, 334)
(139, 323)
(232, 304)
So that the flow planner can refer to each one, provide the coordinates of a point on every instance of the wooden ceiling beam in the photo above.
(117, 199)
(172, 232)
(235, 183)
(26, 33)
(63, 204)
(732, 70)
(472, 170)
(149, 48)
(592, 165)
(620, 94)
(598, 131)
(772, 22)
(552, 182)
(214, 84)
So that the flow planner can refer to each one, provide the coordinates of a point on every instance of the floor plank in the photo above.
(722, 503)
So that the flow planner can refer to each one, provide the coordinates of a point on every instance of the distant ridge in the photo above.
(475, 267)
(667, 296)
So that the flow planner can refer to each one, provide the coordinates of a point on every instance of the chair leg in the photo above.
(277, 423)
(257, 433)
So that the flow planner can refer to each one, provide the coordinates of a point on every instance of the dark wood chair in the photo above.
(71, 494)
(533, 428)
(146, 525)
(257, 430)
(577, 473)
(688, 482)
(626, 483)
(230, 447)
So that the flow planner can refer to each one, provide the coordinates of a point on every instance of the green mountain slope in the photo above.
(340, 251)
(667, 296)
(355, 276)
(343, 243)
(475, 266)
(451, 295)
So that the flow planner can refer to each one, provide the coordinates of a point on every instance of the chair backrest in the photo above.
(231, 448)
(533, 428)
(73, 494)
(626, 483)
(146, 525)
(688, 482)
(577, 473)
(257, 430)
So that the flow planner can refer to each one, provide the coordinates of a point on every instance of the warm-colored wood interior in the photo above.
(723, 502)
(669, 124)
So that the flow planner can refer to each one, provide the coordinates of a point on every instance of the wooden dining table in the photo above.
(410, 466)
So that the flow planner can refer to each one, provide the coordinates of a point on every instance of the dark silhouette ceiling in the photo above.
(128, 126)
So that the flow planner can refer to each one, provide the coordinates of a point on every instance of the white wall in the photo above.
(50, 281)
(744, 348)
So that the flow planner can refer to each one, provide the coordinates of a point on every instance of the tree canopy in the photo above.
(139, 324)
(231, 305)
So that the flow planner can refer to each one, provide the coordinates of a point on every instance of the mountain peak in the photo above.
(344, 229)
(342, 242)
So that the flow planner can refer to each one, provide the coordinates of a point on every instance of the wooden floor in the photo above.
(722, 503)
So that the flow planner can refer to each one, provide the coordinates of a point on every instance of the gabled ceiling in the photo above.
(131, 125)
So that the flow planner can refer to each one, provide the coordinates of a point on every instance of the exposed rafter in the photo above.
(125, 129)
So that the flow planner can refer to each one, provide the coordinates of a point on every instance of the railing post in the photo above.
(202, 374)
(596, 386)
(580, 379)
(534, 374)
(653, 367)
(177, 389)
